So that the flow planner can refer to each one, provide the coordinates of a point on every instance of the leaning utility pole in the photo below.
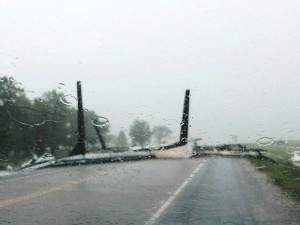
(185, 119)
(183, 139)
(100, 138)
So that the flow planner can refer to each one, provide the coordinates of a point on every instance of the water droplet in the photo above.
(28, 91)
(183, 139)
(100, 121)
(68, 99)
(181, 123)
(155, 147)
(265, 141)
(261, 167)
(39, 123)
(291, 150)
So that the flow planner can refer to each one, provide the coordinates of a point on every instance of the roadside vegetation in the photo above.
(280, 169)
(278, 151)
(45, 124)
(283, 173)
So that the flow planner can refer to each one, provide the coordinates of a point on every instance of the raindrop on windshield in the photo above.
(29, 91)
(68, 99)
(39, 123)
(155, 147)
(183, 139)
(265, 141)
(291, 150)
(100, 121)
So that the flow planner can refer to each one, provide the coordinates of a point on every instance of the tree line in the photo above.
(49, 124)
(44, 124)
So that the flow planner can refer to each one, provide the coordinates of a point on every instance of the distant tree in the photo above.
(59, 132)
(15, 137)
(51, 119)
(161, 132)
(122, 140)
(59, 125)
(47, 122)
(140, 132)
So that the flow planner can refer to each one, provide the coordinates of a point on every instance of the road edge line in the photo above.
(168, 202)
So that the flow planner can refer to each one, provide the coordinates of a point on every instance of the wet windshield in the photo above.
(133, 112)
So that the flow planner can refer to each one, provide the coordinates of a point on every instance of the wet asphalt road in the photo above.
(196, 191)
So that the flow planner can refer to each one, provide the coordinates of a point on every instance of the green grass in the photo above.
(283, 173)
(278, 151)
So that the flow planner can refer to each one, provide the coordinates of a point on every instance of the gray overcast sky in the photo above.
(136, 58)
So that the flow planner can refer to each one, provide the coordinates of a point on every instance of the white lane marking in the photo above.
(165, 205)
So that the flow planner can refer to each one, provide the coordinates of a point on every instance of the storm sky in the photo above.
(240, 59)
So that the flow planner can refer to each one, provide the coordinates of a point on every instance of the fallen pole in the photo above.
(100, 138)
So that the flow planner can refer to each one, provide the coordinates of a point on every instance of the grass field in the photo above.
(281, 152)
(282, 173)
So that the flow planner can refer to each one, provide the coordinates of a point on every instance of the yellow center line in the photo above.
(41, 193)
(53, 189)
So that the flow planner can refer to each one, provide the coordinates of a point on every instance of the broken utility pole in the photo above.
(185, 119)
(80, 146)
(100, 138)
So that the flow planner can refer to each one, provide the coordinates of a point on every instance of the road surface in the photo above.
(196, 191)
